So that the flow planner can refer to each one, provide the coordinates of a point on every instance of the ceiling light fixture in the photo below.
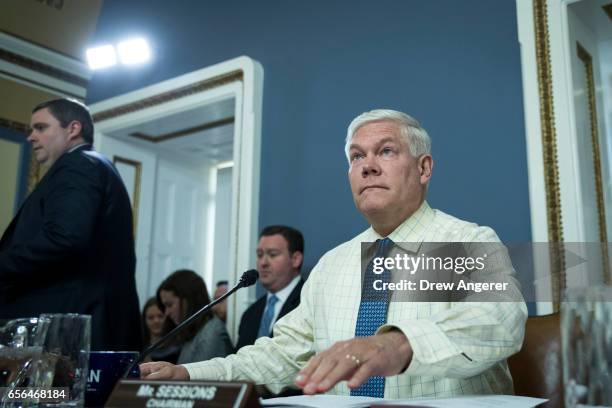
(101, 57)
(134, 51)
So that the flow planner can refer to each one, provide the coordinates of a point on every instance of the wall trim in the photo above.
(164, 97)
(42, 68)
(587, 60)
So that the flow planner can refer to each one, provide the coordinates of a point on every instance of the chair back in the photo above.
(536, 369)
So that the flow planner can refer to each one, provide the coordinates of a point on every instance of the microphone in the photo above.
(247, 279)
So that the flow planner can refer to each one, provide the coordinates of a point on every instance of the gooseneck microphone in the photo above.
(247, 279)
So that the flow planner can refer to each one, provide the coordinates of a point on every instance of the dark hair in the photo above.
(189, 286)
(146, 334)
(294, 238)
(222, 282)
(67, 110)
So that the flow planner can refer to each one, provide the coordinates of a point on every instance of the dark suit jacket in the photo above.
(70, 248)
(251, 318)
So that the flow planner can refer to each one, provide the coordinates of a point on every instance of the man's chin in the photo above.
(371, 207)
(41, 159)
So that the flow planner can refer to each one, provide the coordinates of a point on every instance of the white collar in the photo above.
(72, 149)
(284, 293)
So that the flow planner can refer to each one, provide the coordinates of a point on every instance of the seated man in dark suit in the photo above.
(280, 253)
(70, 248)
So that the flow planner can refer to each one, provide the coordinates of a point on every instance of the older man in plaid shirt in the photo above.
(341, 342)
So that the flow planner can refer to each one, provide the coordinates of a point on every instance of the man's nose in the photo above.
(370, 167)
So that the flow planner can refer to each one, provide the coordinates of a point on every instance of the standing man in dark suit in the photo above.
(70, 248)
(280, 253)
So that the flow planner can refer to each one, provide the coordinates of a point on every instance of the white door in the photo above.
(176, 208)
(180, 220)
(137, 167)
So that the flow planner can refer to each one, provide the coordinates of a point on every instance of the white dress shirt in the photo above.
(282, 296)
(458, 347)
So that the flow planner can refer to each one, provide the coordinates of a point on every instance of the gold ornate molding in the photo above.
(549, 148)
(136, 187)
(183, 132)
(44, 69)
(169, 96)
(587, 60)
(16, 126)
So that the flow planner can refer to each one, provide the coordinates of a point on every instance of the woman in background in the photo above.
(179, 296)
(152, 322)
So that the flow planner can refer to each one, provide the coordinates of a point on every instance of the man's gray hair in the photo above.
(415, 136)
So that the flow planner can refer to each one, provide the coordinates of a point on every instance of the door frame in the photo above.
(182, 93)
(550, 130)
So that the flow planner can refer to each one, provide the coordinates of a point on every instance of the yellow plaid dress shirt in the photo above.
(459, 348)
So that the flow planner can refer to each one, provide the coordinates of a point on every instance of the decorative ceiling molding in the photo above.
(183, 132)
(164, 97)
(45, 69)
(36, 44)
(44, 55)
(41, 68)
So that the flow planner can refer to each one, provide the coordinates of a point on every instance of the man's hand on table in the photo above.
(356, 360)
(161, 370)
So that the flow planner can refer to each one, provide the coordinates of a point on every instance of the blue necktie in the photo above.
(372, 315)
(264, 327)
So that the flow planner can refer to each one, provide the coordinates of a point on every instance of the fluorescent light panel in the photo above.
(134, 51)
(101, 57)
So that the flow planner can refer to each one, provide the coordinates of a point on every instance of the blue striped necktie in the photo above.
(372, 315)
(264, 326)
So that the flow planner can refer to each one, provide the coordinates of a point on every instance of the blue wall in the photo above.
(454, 65)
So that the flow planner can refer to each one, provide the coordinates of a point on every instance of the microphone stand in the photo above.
(242, 283)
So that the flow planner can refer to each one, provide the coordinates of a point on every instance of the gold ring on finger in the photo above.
(354, 359)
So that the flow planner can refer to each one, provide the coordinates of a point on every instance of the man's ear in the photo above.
(74, 129)
(425, 167)
(296, 259)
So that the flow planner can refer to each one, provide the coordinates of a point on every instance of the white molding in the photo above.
(561, 51)
(41, 81)
(533, 126)
(169, 107)
(247, 146)
(44, 56)
(34, 78)
(247, 159)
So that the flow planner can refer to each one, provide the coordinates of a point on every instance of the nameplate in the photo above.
(182, 394)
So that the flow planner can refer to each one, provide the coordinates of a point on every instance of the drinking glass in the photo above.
(21, 362)
(66, 346)
(586, 336)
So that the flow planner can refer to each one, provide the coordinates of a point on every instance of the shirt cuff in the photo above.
(207, 370)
